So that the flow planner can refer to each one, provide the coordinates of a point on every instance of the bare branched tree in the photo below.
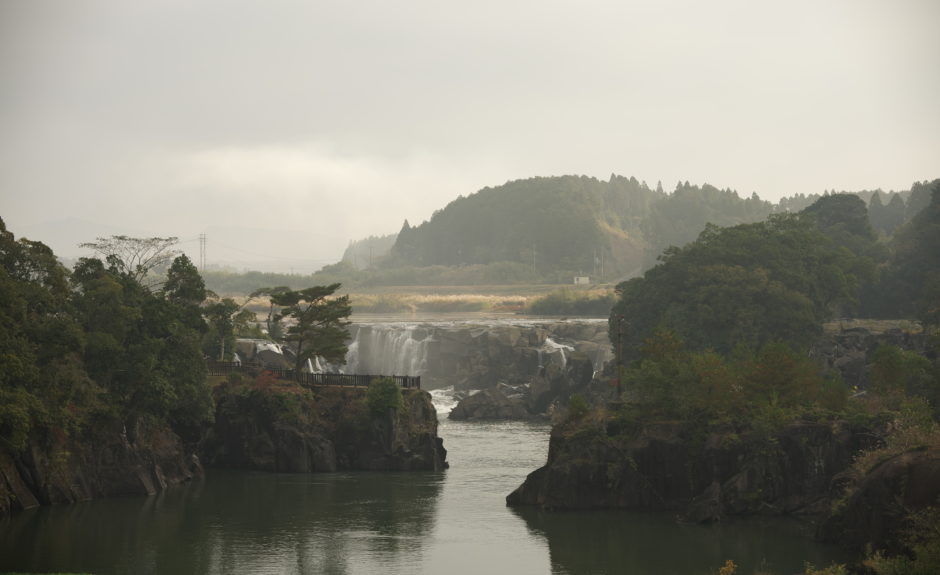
(135, 257)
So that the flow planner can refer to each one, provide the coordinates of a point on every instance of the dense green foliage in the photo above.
(678, 218)
(910, 282)
(767, 387)
(109, 344)
(97, 345)
(383, 395)
(780, 279)
(777, 280)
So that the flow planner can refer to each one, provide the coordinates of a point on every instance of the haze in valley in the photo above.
(283, 130)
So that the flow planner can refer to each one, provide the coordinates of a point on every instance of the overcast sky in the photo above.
(332, 121)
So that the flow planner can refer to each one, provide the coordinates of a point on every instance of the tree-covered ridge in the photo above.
(544, 229)
(547, 230)
(780, 279)
(910, 280)
(545, 223)
(678, 218)
(573, 223)
(776, 280)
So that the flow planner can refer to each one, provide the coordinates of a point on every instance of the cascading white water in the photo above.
(444, 400)
(393, 349)
(551, 346)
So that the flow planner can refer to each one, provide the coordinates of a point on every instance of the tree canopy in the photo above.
(97, 345)
(752, 284)
(134, 257)
(318, 321)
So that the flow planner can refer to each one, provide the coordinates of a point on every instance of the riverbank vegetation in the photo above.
(717, 337)
(576, 303)
(108, 361)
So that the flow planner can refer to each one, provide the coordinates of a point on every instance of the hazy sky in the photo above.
(332, 121)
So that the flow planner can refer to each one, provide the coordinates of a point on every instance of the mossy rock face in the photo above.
(876, 509)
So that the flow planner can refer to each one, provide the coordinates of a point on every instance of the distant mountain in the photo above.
(563, 226)
(363, 254)
(570, 224)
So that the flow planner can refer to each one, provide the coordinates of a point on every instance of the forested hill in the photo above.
(549, 229)
(568, 223)
(558, 226)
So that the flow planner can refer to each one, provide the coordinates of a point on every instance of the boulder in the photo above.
(490, 404)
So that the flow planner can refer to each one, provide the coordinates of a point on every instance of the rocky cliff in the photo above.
(291, 431)
(538, 398)
(469, 355)
(105, 463)
(280, 428)
(873, 509)
(848, 348)
(702, 476)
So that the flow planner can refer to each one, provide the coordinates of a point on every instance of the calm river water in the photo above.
(453, 522)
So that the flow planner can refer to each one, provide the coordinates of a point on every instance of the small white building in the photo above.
(582, 280)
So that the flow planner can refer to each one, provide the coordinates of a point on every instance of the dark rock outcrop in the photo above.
(551, 386)
(100, 465)
(342, 436)
(849, 350)
(471, 356)
(874, 508)
(490, 404)
(664, 467)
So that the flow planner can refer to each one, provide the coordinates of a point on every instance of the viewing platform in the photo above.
(222, 368)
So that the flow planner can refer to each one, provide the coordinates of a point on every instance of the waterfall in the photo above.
(392, 349)
(551, 346)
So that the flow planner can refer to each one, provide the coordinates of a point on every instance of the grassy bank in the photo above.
(533, 300)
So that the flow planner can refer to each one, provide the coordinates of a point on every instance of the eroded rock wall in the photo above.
(103, 464)
(664, 466)
(336, 432)
(470, 356)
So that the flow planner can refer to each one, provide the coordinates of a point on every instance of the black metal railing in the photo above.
(312, 379)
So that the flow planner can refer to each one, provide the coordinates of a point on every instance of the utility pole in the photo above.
(620, 320)
(202, 253)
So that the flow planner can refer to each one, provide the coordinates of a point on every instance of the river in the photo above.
(451, 522)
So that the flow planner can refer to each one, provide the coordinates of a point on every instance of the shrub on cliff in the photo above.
(383, 394)
(569, 302)
(762, 389)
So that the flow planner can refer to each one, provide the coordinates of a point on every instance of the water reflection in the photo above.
(454, 522)
(655, 543)
(235, 522)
